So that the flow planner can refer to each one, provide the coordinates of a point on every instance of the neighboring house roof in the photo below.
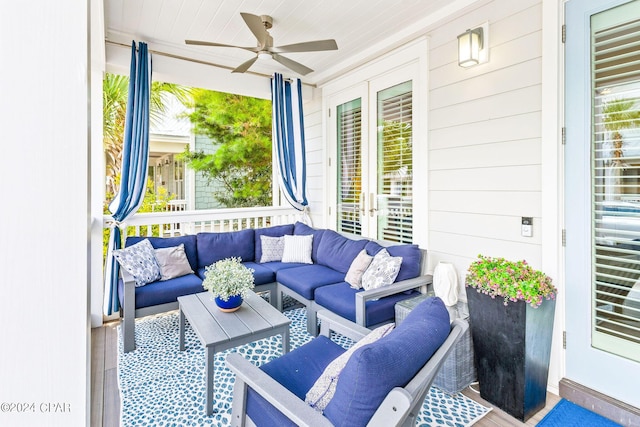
(174, 122)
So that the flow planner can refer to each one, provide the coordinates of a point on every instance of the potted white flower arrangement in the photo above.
(229, 281)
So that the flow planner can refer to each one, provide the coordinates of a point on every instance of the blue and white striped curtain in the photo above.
(135, 156)
(288, 140)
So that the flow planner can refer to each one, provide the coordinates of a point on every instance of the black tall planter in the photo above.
(512, 346)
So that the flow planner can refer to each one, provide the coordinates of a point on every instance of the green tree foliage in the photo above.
(240, 126)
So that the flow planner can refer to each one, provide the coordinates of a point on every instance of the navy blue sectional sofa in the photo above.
(318, 285)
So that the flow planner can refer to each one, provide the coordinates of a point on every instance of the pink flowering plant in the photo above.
(511, 280)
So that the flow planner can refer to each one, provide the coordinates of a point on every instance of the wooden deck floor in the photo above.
(105, 400)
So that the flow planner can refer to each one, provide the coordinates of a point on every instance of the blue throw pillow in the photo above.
(392, 361)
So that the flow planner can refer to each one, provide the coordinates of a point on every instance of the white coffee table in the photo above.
(219, 331)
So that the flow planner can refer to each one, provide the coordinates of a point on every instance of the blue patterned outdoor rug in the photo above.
(567, 414)
(162, 386)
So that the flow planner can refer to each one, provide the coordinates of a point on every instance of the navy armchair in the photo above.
(383, 383)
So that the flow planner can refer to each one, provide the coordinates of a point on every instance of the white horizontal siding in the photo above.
(467, 247)
(485, 226)
(521, 126)
(485, 138)
(517, 152)
(514, 102)
(503, 80)
(497, 178)
(314, 142)
(515, 203)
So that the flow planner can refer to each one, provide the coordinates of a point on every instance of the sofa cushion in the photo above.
(306, 279)
(279, 265)
(261, 274)
(163, 292)
(340, 298)
(382, 271)
(297, 371)
(173, 262)
(302, 229)
(275, 231)
(140, 261)
(411, 258)
(167, 242)
(297, 249)
(338, 252)
(375, 369)
(325, 386)
(213, 247)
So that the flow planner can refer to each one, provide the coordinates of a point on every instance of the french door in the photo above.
(372, 124)
(602, 192)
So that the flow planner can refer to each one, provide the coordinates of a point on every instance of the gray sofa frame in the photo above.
(421, 282)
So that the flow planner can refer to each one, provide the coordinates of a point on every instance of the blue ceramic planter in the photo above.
(231, 305)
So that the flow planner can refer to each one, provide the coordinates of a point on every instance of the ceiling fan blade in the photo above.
(313, 46)
(256, 26)
(203, 43)
(245, 65)
(292, 65)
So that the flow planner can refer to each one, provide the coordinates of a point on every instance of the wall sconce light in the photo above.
(473, 46)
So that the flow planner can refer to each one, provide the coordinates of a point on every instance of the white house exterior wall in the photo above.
(486, 154)
(494, 145)
(315, 144)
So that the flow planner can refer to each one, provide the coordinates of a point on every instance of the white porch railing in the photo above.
(167, 224)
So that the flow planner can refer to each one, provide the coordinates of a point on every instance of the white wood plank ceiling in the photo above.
(358, 26)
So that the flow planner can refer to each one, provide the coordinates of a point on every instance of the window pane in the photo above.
(395, 163)
(616, 184)
(349, 126)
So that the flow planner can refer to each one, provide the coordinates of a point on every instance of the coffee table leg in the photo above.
(209, 373)
(181, 323)
(285, 340)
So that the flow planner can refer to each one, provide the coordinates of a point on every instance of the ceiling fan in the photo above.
(259, 26)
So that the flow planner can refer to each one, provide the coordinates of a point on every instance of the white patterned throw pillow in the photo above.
(297, 249)
(322, 391)
(140, 261)
(382, 271)
(272, 248)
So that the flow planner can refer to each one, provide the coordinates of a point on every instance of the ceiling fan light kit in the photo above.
(259, 26)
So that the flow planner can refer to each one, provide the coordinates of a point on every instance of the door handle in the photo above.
(372, 208)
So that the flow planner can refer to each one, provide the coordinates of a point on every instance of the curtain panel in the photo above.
(135, 157)
(288, 140)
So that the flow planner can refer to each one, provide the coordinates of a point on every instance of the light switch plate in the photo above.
(527, 226)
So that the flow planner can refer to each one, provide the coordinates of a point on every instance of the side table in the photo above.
(458, 371)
